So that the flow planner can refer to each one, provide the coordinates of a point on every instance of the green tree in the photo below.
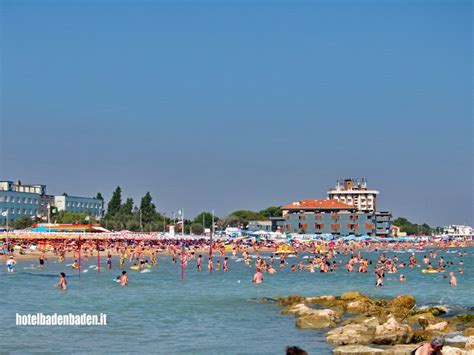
(196, 228)
(115, 203)
(148, 209)
(273, 211)
(127, 208)
(99, 196)
(22, 222)
(206, 217)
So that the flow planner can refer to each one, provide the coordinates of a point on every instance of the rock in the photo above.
(351, 334)
(314, 322)
(393, 332)
(468, 332)
(318, 318)
(422, 335)
(356, 350)
(463, 318)
(400, 349)
(403, 301)
(449, 350)
(357, 306)
(351, 295)
(287, 301)
(301, 310)
(297, 310)
(321, 299)
(442, 327)
(423, 319)
(470, 343)
(426, 320)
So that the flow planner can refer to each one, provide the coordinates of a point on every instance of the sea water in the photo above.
(206, 313)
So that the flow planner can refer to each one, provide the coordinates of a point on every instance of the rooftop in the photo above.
(318, 204)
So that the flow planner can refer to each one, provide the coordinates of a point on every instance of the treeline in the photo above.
(124, 214)
(414, 228)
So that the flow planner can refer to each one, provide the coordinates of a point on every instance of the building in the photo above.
(260, 225)
(458, 230)
(17, 200)
(333, 217)
(67, 203)
(354, 192)
(396, 232)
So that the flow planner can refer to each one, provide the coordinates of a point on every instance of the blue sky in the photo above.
(241, 104)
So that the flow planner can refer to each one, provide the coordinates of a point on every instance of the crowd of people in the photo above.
(320, 256)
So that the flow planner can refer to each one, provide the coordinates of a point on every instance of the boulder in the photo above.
(470, 343)
(400, 349)
(321, 299)
(393, 332)
(403, 301)
(356, 350)
(357, 306)
(423, 319)
(314, 322)
(449, 350)
(352, 295)
(442, 327)
(463, 319)
(351, 334)
(298, 310)
(287, 301)
(468, 332)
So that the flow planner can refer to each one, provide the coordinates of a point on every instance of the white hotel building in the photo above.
(354, 192)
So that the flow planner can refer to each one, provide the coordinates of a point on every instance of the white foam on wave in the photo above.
(85, 270)
(144, 271)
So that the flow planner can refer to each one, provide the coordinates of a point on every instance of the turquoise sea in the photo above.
(206, 314)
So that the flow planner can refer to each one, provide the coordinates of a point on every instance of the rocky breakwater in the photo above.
(358, 324)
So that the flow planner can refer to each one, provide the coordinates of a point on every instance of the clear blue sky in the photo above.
(243, 104)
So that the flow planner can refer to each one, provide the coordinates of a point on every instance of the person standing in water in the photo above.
(124, 279)
(10, 264)
(257, 277)
(452, 279)
(42, 259)
(199, 263)
(62, 283)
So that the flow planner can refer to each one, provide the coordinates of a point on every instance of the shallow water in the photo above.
(206, 314)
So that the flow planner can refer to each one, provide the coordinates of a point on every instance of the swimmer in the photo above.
(218, 265)
(109, 261)
(199, 263)
(74, 265)
(402, 278)
(42, 259)
(257, 277)
(226, 264)
(124, 279)
(379, 281)
(452, 279)
(10, 264)
(62, 283)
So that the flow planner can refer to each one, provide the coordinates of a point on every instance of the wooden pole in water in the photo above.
(98, 256)
(79, 257)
